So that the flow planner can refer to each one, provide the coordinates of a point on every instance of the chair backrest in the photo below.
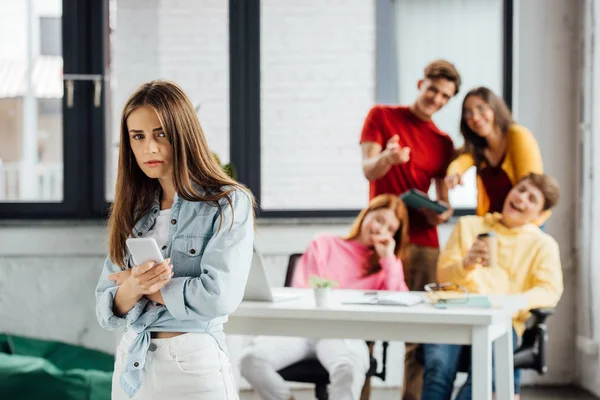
(292, 262)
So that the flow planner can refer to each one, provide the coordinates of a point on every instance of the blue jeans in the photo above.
(441, 366)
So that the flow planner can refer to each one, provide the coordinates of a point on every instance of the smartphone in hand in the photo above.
(143, 250)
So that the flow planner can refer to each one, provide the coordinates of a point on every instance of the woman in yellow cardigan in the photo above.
(502, 151)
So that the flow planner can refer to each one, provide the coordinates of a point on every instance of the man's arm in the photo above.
(545, 277)
(441, 190)
(375, 162)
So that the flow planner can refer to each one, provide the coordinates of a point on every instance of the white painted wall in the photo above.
(588, 319)
(48, 271)
(47, 284)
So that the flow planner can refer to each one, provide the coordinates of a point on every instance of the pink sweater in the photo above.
(342, 260)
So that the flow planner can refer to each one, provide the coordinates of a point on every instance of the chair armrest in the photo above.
(541, 314)
(531, 354)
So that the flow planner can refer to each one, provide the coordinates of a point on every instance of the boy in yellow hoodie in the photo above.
(528, 263)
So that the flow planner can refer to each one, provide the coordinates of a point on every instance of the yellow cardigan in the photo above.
(522, 157)
(528, 263)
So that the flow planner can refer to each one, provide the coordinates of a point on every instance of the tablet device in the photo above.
(143, 250)
(416, 199)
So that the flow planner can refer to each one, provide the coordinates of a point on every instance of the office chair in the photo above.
(531, 354)
(311, 370)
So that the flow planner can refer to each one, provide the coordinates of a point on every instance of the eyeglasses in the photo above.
(480, 109)
(445, 293)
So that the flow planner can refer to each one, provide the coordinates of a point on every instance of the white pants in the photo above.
(347, 362)
(188, 366)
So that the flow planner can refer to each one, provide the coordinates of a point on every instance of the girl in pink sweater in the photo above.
(371, 257)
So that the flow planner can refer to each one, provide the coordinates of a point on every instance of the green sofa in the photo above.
(39, 369)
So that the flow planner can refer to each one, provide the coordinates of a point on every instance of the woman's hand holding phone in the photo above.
(142, 280)
(147, 279)
(143, 275)
(120, 277)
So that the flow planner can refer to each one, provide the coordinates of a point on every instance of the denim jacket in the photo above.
(210, 266)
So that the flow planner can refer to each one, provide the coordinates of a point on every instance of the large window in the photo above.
(50, 110)
(281, 88)
(31, 151)
(322, 67)
(187, 44)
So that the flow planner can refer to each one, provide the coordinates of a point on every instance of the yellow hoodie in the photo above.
(528, 263)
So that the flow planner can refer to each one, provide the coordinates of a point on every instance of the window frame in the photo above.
(245, 134)
(84, 49)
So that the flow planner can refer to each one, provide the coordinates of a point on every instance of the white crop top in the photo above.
(160, 229)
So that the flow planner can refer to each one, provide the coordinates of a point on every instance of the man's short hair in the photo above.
(443, 69)
(547, 185)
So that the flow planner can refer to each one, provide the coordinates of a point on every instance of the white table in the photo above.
(418, 324)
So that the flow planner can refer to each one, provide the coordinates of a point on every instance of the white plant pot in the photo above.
(323, 297)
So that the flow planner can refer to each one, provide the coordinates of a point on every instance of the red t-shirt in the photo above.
(431, 150)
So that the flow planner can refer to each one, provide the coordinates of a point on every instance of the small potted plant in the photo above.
(322, 288)
(228, 168)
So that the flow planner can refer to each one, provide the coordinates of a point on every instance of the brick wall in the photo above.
(318, 83)
(184, 41)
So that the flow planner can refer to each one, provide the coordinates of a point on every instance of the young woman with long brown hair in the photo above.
(502, 151)
(170, 188)
(371, 257)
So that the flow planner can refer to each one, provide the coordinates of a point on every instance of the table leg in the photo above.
(481, 359)
(504, 365)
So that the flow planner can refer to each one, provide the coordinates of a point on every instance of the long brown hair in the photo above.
(391, 202)
(475, 144)
(196, 174)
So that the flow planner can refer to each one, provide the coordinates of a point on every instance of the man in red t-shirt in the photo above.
(403, 149)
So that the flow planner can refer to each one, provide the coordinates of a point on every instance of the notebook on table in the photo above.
(472, 301)
(385, 299)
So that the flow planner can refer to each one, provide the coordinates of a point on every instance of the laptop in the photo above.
(258, 287)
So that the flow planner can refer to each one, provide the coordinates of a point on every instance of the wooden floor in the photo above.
(552, 393)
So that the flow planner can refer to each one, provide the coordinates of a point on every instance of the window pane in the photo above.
(188, 44)
(317, 86)
(466, 32)
(31, 90)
